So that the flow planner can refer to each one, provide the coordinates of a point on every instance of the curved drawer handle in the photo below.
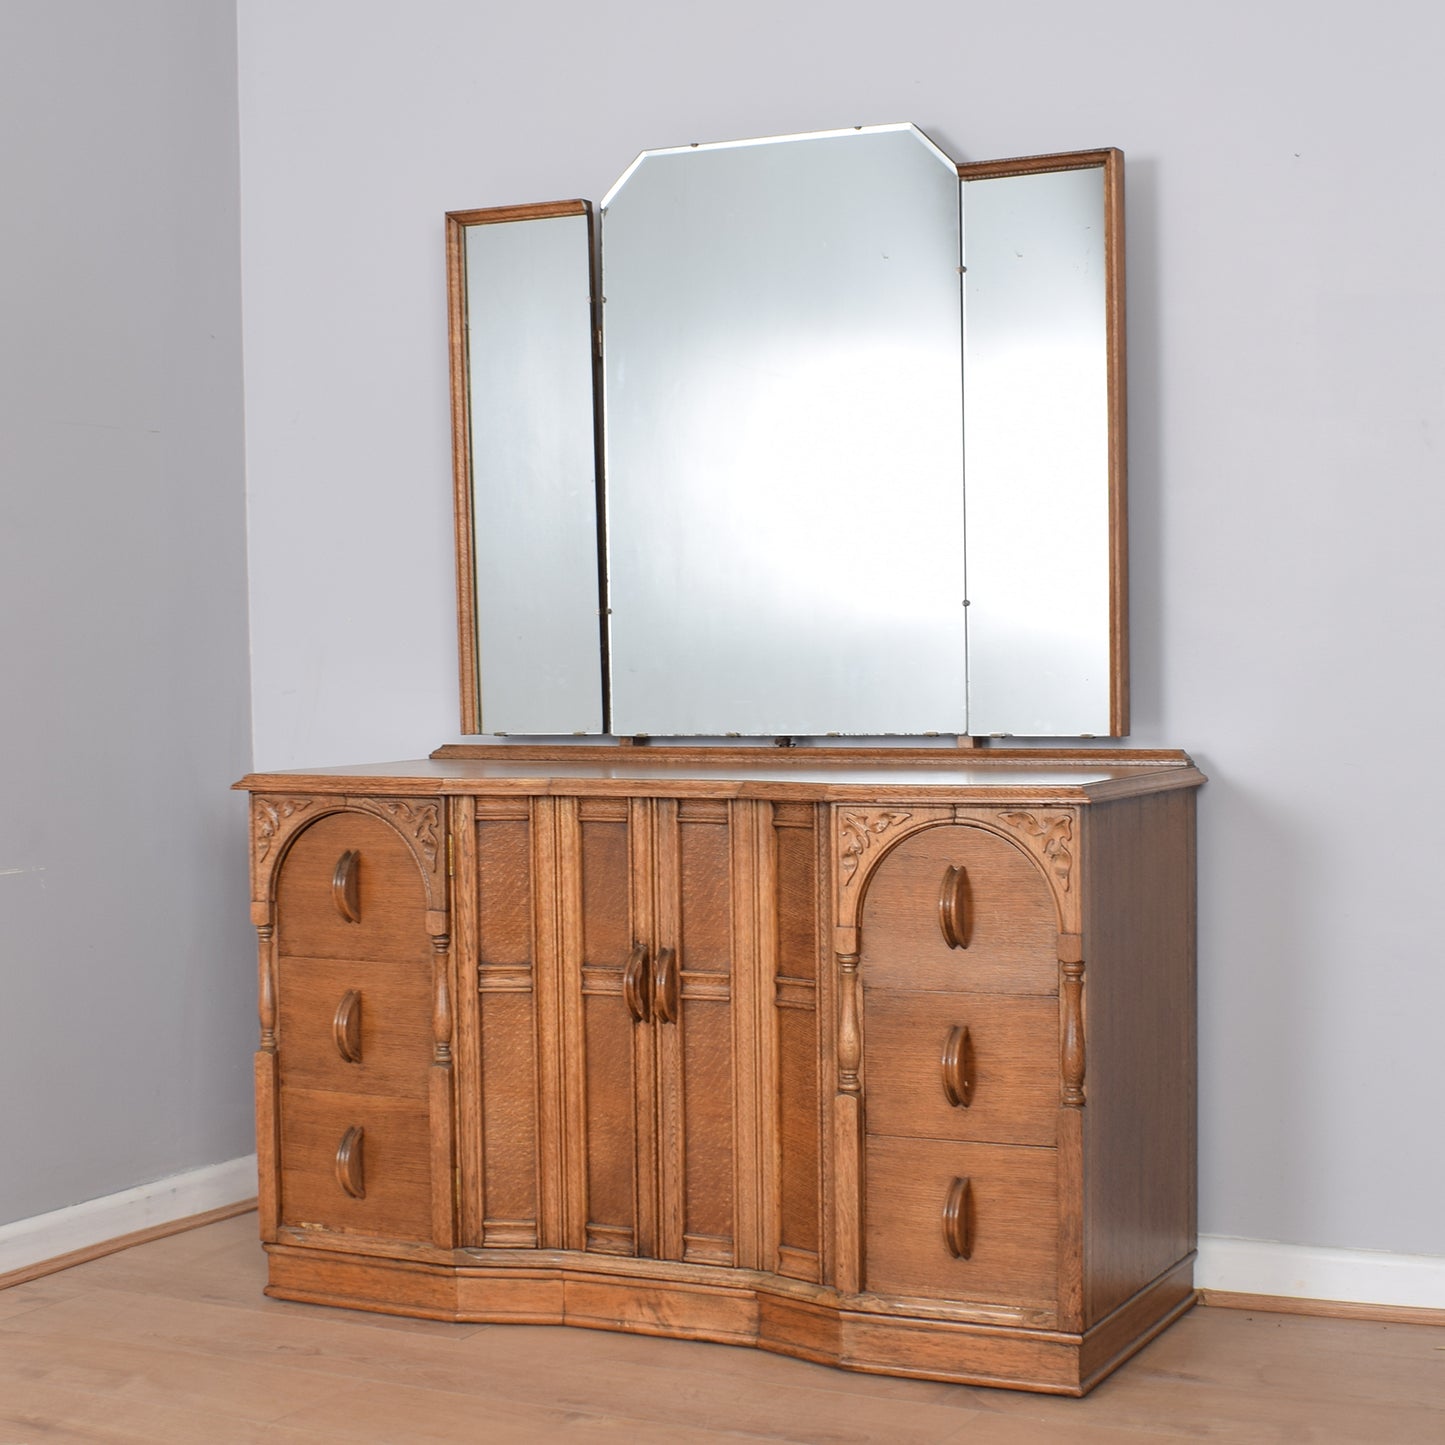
(664, 986)
(345, 887)
(635, 982)
(957, 1063)
(346, 1026)
(953, 907)
(350, 1173)
(958, 1219)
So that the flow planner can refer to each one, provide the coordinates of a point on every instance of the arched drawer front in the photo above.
(959, 907)
(350, 888)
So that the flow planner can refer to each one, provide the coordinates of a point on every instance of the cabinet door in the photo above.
(693, 1022)
(609, 1053)
(648, 967)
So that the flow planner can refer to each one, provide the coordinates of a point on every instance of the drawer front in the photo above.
(961, 1066)
(1009, 1211)
(355, 1027)
(358, 1164)
(350, 888)
(986, 891)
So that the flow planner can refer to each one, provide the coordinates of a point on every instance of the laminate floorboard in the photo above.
(173, 1341)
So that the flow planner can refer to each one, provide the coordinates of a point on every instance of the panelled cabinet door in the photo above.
(692, 1013)
(354, 1000)
(609, 1049)
(959, 963)
(647, 985)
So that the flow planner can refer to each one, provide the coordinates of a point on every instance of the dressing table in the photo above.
(879, 1056)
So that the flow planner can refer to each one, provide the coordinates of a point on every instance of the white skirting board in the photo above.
(79, 1226)
(1302, 1271)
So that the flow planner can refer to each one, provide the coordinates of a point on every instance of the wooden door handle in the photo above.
(957, 1064)
(953, 907)
(958, 1219)
(665, 986)
(350, 1172)
(345, 889)
(635, 982)
(346, 1026)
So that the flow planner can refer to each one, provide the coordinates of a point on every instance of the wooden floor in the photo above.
(173, 1341)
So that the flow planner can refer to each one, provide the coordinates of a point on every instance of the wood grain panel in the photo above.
(1014, 1043)
(1015, 1221)
(504, 891)
(695, 1053)
(396, 1174)
(391, 894)
(1011, 919)
(396, 1024)
(612, 1106)
(800, 1125)
(507, 1039)
(1139, 1121)
(605, 914)
(796, 841)
(704, 894)
(509, 1118)
(798, 1108)
(707, 1079)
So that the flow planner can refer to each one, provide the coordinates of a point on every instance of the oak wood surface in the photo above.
(394, 1011)
(1011, 918)
(395, 1173)
(681, 1056)
(1138, 982)
(391, 904)
(1014, 1258)
(778, 775)
(1013, 1046)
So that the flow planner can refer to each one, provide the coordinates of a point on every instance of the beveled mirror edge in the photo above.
(1111, 160)
(762, 140)
(456, 227)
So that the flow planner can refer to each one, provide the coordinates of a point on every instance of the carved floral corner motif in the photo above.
(859, 831)
(1050, 836)
(421, 822)
(272, 818)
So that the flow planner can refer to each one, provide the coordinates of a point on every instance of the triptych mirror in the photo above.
(816, 435)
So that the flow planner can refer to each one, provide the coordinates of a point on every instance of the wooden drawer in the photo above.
(393, 1169)
(1004, 913)
(1011, 1211)
(387, 896)
(1003, 1066)
(380, 1013)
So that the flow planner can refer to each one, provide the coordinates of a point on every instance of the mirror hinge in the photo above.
(451, 855)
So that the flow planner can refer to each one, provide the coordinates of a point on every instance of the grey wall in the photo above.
(126, 958)
(1287, 343)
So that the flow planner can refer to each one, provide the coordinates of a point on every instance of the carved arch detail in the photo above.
(865, 836)
(277, 821)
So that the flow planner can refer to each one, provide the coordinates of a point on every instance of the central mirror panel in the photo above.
(783, 403)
